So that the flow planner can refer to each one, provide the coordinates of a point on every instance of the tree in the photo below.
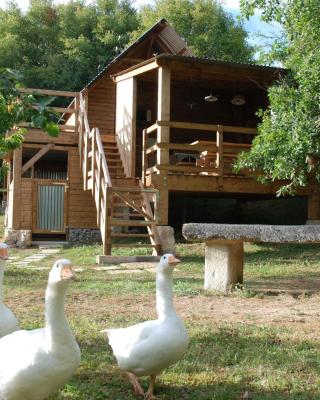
(288, 144)
(206, 27)
(17, 107)
(64, 46)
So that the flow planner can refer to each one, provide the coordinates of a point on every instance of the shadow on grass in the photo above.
(265, 252)
(223, 364)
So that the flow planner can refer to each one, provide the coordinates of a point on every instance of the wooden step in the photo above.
(127, 182)
(130, 222)
(131, 235)
(113, 156)
(108, 138)
(130, 214)
(110, 147)
(114, 163)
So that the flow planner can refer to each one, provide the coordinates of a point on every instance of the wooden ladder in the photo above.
(124, 206)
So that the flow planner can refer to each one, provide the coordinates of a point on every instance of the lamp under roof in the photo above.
(211, 98)
(238, 100)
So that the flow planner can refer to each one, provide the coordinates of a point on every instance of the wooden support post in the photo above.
(16, 190)
(163, 132)
(219, 140)
(163, 205)
(163, 136)
(107, 222)
(314, 209)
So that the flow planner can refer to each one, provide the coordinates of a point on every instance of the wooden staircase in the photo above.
(124, 206)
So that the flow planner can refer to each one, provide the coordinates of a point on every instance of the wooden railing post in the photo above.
(220, 160)
(85, 160)
(99, 183)
(76, 113)
(93, 158)
(144, 155)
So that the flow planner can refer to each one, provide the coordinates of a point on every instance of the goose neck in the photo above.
(164, 295)
(56, 322)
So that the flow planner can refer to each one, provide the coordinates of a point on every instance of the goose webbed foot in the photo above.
(135, 383)
(149, 395)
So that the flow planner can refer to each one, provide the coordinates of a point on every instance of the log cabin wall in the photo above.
(102, 105)
(82, 210)
(26, 203)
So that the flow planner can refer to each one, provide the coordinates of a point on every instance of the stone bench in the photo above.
(224, 247)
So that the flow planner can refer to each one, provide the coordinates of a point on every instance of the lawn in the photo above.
(260, 342)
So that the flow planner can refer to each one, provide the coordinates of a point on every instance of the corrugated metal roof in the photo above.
(211, 61)
(169, 37)
(174, 42)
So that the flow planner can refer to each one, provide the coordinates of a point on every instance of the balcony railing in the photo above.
(199, 157)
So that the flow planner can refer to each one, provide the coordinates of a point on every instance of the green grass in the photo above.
(235, 346)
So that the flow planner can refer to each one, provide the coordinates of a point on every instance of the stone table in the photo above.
(224, 246)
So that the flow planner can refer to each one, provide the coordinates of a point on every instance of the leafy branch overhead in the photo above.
(288, 144)
(17, 107)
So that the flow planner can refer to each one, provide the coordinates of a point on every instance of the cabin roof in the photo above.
(207, 72)
(165, 32)
(192, 61)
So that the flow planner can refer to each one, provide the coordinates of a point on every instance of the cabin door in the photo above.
(50, 208)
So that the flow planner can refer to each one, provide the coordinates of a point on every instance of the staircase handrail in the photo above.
(97, 139)
(101, 184)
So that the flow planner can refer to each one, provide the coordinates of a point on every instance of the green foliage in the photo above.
(206, 27)
(64, 46)
(288, 144)
(17, 107)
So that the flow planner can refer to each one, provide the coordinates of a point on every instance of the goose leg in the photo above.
(135, 383)
(149, 395)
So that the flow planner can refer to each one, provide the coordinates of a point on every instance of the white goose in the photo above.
(35, 364)
(151, 346)
(8, 322)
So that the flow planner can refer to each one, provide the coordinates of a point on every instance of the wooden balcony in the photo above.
(213, 158)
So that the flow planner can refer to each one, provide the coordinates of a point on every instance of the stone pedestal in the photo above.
(18, 237)
(223, 265)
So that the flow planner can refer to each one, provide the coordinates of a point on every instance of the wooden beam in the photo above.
(137, 70)
(204, 127)
(48, 92)
(36, 157)
(16, 189)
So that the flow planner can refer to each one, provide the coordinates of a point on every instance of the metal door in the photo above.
(50, 208)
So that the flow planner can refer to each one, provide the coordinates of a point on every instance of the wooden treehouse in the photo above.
(156, 121)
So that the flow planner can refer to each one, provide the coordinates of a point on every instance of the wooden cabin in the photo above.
(155, 122)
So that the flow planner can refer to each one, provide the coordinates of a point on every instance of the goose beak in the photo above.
(4, 255)
(66, 273)
(173, 261)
